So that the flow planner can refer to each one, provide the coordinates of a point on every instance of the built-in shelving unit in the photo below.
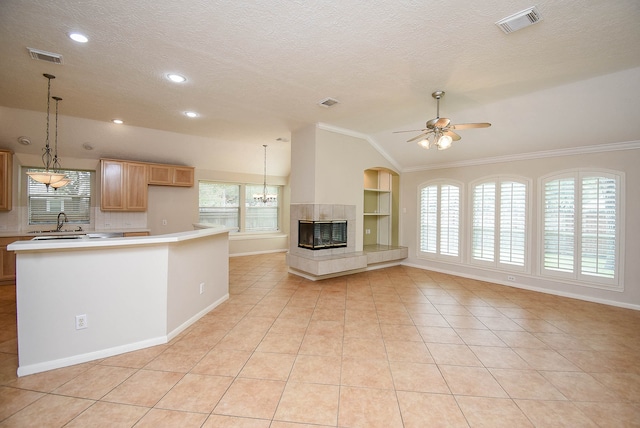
(380, 207)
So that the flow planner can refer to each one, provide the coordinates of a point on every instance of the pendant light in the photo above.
(56, 161)
(49, 175)
(265, 197)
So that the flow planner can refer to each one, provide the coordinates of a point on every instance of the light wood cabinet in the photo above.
(171, 175)
(6, 183)
(123, 185)
(8, 259)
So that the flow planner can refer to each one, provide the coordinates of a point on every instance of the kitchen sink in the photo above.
(96, 235)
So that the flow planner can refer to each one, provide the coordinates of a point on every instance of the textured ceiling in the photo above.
(256, 70)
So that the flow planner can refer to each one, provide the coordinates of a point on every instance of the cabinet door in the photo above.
(8, 259)
(160, 175)
(183, 176)
(136, 186)
(112, 196)
(6, 174)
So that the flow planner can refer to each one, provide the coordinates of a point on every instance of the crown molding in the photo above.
(599, 148)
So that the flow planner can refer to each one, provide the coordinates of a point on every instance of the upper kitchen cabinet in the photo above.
(123, 185)
(6, 175)
(171, 175)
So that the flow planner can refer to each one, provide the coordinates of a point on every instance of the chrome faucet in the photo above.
(60, 223)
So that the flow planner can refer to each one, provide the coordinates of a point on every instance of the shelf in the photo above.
(377, 214)
(377, 190)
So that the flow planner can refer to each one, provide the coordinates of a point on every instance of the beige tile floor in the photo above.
(397, 347)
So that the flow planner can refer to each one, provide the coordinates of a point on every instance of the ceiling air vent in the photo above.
(520, 20)
(328, 102)
(45, 56)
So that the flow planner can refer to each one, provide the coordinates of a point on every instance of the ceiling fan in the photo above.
(439, 131)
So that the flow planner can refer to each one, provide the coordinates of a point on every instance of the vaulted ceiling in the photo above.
(257, 70)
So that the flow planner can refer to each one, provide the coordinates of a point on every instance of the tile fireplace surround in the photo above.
(331, 261)
(325, 263)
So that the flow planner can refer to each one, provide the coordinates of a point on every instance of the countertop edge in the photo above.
(98, 243)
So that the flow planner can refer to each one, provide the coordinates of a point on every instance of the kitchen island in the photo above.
(84, 299)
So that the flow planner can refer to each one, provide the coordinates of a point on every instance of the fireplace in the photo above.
(318, 235)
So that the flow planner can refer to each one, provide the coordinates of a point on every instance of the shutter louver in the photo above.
(449, 220)
(598, 237)
(428, 219)
(559, 225)
(484, 222)
(513, 198)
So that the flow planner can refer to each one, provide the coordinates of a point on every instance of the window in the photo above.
(581, 227)
(499, 223)
(261, 216)
(440, 220)
(220, 204)
(74, 199)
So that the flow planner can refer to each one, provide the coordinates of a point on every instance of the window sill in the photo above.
(242, 236)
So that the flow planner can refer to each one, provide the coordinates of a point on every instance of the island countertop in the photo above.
(59, 243)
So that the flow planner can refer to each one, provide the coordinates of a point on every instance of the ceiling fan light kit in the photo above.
(439, 131)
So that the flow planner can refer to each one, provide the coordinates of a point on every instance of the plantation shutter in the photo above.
(559, 225)
(484, 222)
(449, 220)
(428, 219)
(513, 205)
(599, 226)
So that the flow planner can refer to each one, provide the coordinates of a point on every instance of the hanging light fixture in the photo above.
(265, 197)
(56, 161)
(49, 175)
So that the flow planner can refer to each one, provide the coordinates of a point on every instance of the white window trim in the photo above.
(461, 222)
(496, 264)
(576, 278)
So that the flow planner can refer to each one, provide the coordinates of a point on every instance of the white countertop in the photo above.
(89, 243)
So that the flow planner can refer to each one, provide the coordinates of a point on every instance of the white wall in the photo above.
(625, 161)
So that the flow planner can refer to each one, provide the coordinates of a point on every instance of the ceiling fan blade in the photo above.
(411, 130)
(418, 137)
(470, 125)
(453, 135)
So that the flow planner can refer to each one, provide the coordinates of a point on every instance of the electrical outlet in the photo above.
(164, 222)
(367, 231)
(81, 322)
(201, 287)
(511, 278)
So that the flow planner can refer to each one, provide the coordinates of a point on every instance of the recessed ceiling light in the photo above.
(25, 141)
(118, 121)
(191, 114)
(176, 78)
(77, 37)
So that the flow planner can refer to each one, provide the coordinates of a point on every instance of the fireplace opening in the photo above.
(317, 235)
